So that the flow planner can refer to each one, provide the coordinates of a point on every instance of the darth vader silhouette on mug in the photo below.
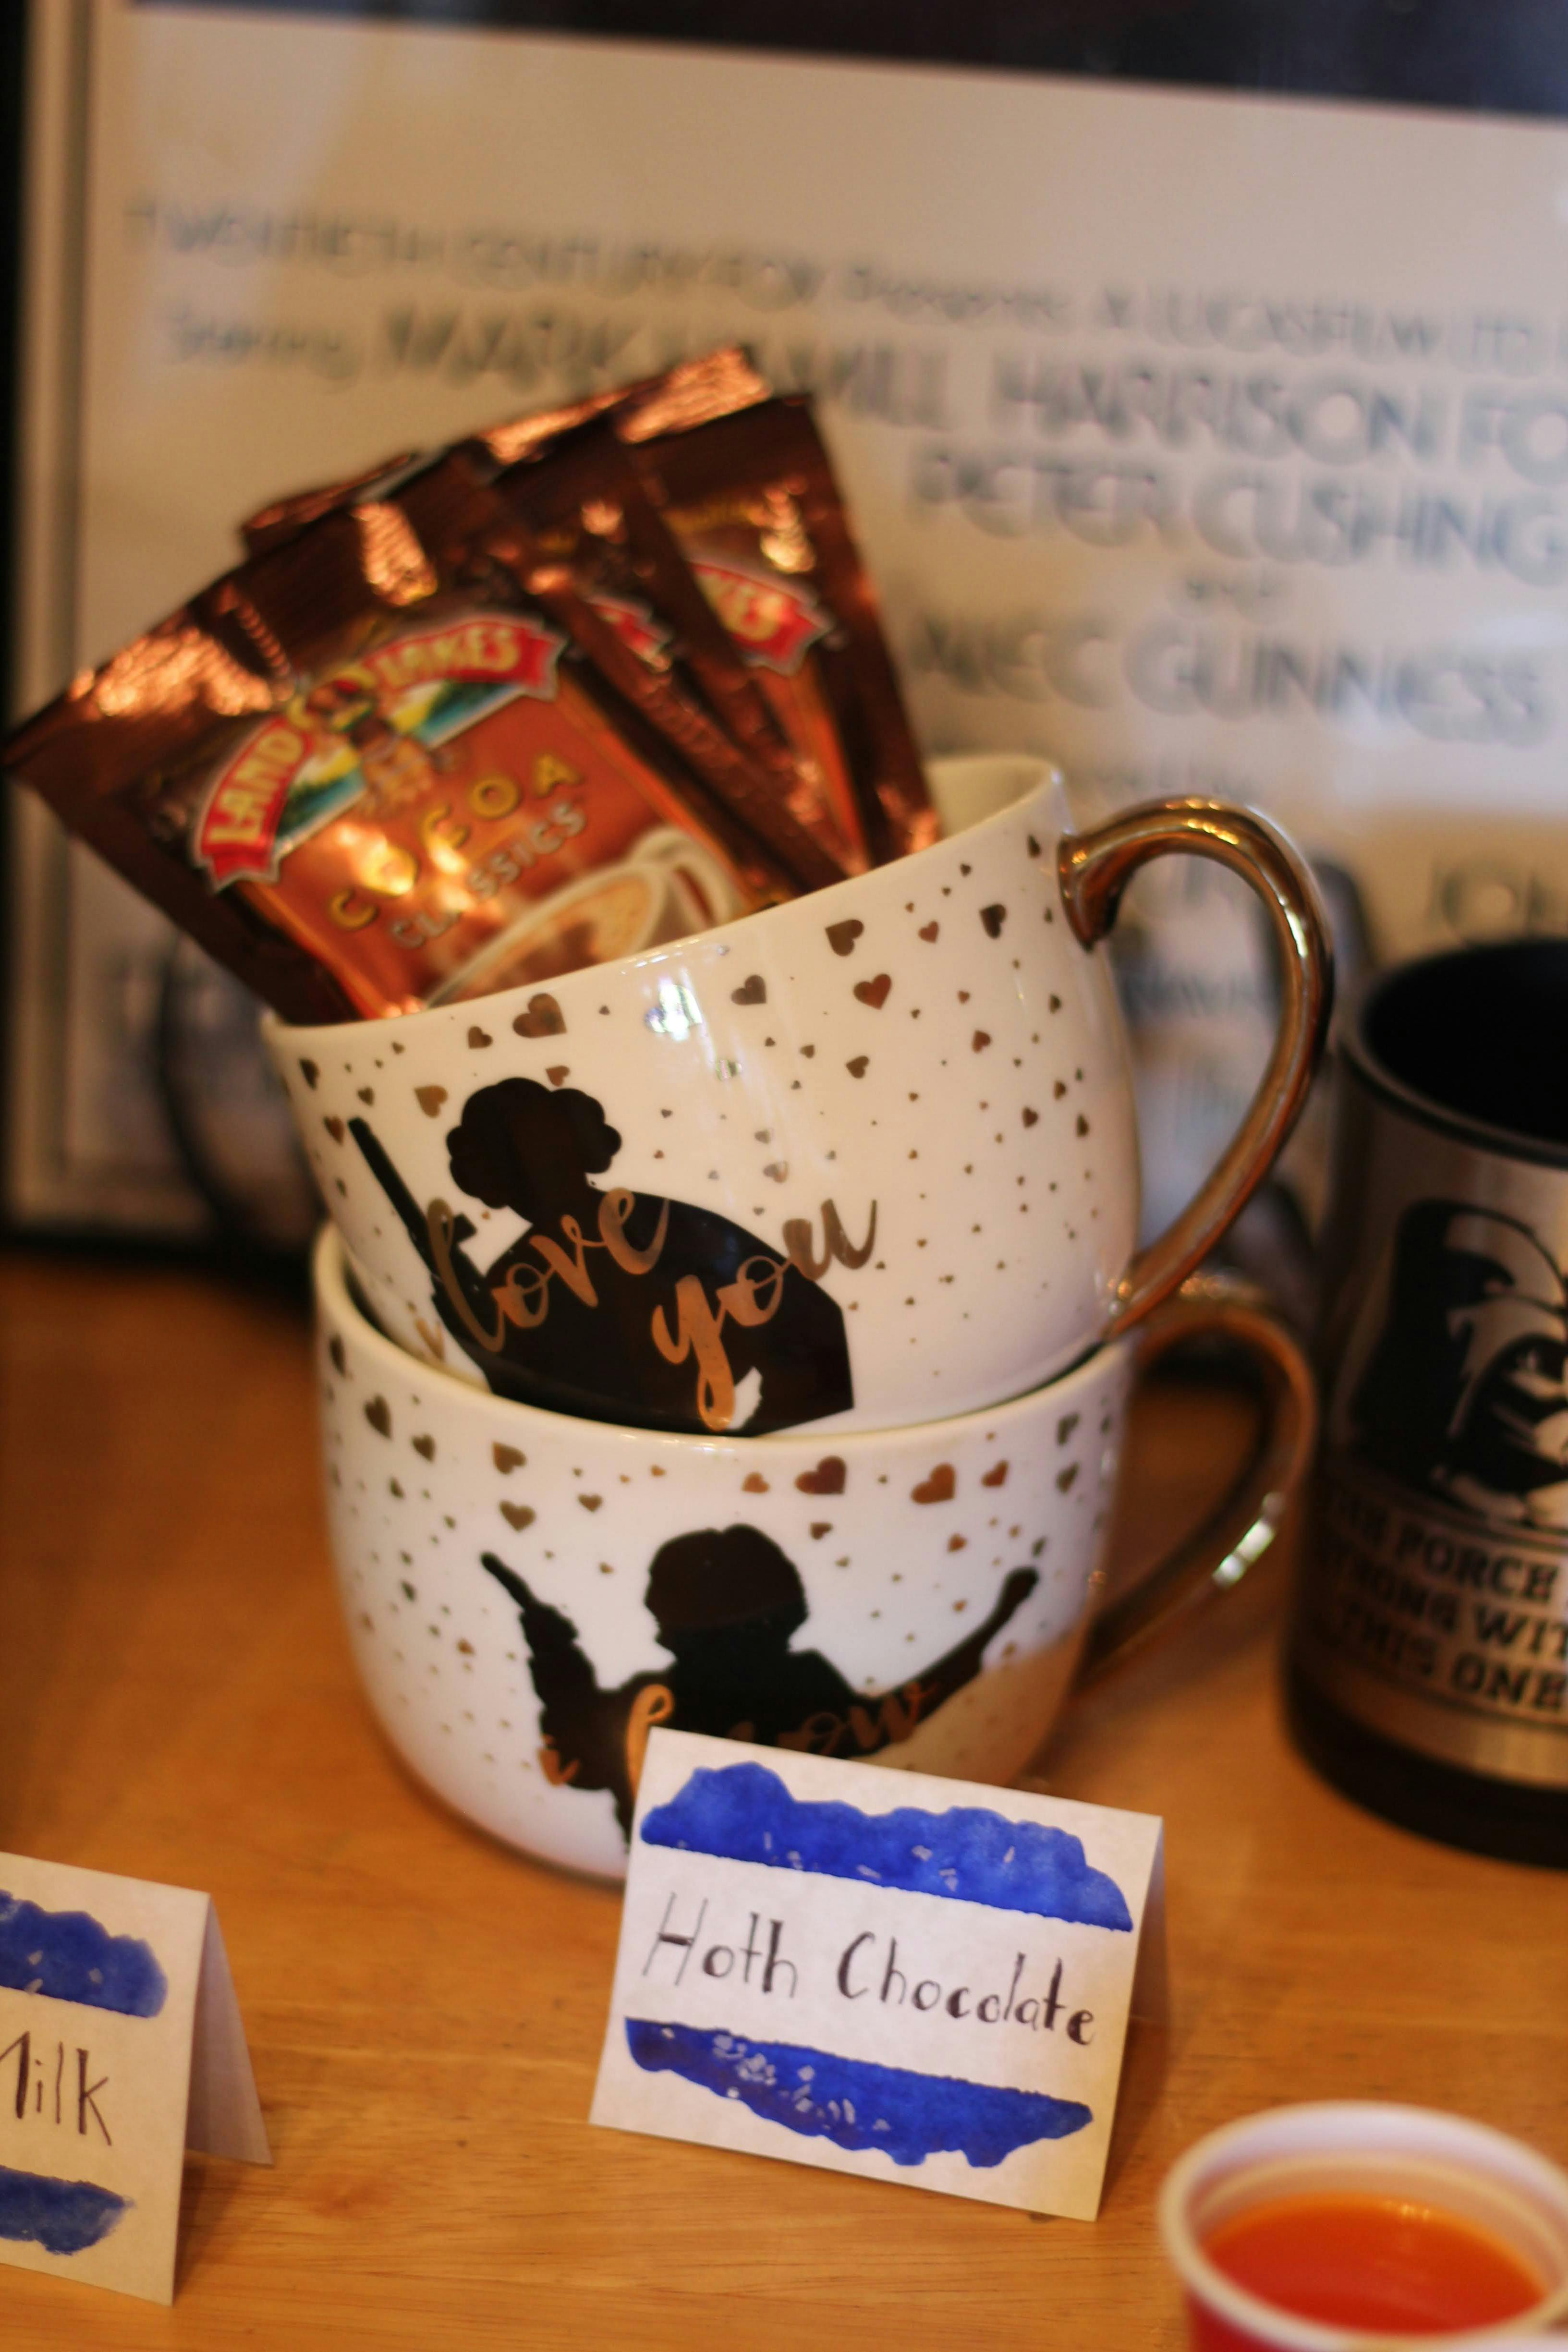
(1463, 1393)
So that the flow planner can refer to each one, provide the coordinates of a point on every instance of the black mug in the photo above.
(1428, 1659)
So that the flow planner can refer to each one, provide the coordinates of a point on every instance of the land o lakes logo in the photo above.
(245, 819)
(772, 624)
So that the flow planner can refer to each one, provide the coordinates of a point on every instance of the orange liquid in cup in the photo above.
(1384, 2264)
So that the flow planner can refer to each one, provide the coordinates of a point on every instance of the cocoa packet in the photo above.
(587, 511)
(693, 393)
(751, 502)
(794, 600)
(369, 770)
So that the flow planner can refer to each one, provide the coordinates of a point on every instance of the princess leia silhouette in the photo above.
(726, 1603)
(614, 1305)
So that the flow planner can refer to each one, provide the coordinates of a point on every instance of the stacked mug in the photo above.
(732, 1336)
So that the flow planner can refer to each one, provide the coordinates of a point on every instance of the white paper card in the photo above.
(121, 2042)
(880, 1973)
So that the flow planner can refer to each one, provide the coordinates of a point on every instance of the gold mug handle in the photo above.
(1095, 868)
(1243, 1525)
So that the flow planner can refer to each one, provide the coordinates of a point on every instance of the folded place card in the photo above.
(120, 2045)
(879, 1972)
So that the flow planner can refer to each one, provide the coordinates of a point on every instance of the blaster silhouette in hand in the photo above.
(726, 1603)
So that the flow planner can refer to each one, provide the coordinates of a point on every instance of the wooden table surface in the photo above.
(424, 2008)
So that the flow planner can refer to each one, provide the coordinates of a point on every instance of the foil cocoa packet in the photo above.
(369, 770)
(587, 511)
(466, 522)
(752, 500)
(694, 392)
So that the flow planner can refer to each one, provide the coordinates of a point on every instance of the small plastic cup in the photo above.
(1353, 2148)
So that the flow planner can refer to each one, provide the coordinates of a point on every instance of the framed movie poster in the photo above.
(1210, 439)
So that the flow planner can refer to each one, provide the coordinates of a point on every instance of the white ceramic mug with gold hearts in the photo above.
(528, 1595)
(855, 1162)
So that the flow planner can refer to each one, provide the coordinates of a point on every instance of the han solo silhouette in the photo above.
(726, 1603)
(615, 1305)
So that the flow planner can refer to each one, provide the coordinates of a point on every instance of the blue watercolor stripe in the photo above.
(743, 1812)
(64, 2217)
(856, 2105)
(70, 1956)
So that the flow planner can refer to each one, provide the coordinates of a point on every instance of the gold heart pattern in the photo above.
(544, 1018)
(940, 1488)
